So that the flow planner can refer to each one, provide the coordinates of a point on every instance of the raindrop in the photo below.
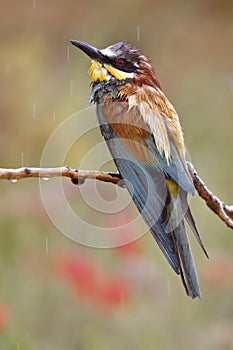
(45, 178)
(13, 180)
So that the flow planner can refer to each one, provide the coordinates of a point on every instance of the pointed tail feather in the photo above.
(175, 225)
(187, 266)
(177, 249)
(190, 220)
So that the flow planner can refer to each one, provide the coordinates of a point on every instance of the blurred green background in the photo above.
(54, 293)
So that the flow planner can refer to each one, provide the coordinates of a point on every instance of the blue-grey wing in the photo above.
(145, 183)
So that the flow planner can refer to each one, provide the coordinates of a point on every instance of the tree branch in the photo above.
(78, 177)
(224, 211)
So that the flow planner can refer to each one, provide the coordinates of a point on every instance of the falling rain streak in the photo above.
(168, 285)
(71, 87)
(138, 33)
(33, 111)
(46, 245)
(34, 3)
(22, 159)
(68, 208)
(68, 53)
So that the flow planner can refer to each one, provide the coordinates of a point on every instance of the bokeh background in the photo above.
(55, 293)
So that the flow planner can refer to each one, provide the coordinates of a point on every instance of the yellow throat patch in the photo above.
(104, 72)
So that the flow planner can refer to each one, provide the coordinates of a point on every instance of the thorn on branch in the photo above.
(76, 178)
(27, 171)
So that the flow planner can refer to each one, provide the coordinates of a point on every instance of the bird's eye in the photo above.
(121, 62)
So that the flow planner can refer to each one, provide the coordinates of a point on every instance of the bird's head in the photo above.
(120, 62)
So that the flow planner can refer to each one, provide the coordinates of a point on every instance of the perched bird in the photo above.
(144, 136)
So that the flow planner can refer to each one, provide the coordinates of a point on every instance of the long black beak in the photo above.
(91, 51)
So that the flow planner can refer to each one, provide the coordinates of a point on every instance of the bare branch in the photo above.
(78, 177)
(225, 212)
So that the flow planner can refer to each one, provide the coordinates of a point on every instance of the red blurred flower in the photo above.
(80, 271)
(3, 317)
(91, 281)
(219, 273)
(134, 248)
(114, 292)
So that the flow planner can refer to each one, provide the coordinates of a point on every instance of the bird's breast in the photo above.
(127, 125)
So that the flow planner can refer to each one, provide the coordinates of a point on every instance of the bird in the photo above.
(144, 136)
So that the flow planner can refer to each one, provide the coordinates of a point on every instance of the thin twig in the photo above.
(76, 176)
(224, 211)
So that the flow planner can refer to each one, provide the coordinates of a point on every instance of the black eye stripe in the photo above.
(127, 67)
(123, 64)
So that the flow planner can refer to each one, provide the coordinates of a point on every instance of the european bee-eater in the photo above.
(143, 133)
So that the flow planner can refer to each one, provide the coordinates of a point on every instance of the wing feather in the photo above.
(148, 189)
(146, 169)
